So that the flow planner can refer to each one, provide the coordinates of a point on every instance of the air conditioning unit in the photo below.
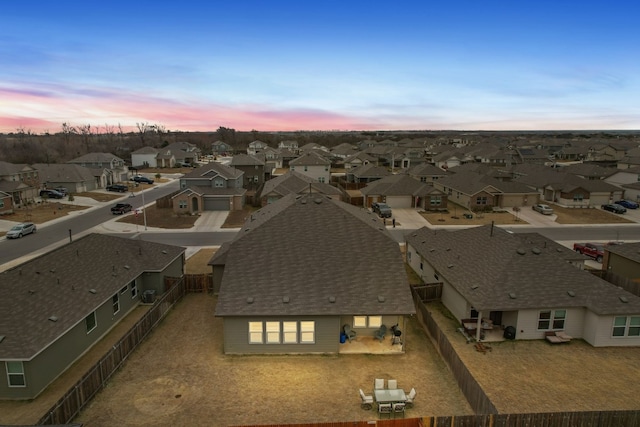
(149, 296)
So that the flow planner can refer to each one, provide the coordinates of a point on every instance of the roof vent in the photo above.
(126, 267)
(512, 295)
(250, 300)
(93, 291)
(53, 318)
(164, 252)
(432, 249)
(1, 338)
(521, 251)
(414, 235)
(559, 249)
(53, 270)
(317, 200)
(536, 251)
(31, 292)
(624, 299)
(571, 293)
(474, 286)
(303, 201)
(381, 298)
(285, 300)
(450, 266)
(332, 300)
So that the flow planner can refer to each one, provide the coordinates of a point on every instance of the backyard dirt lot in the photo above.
(43, 212)
(180, 376)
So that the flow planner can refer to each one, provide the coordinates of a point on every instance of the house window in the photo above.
(218, 183)
(255, 332)
(578, 197)
(551, 319)
(182, 204)
(423, 179)
(624, 326)
(124, 289)
(90, 322)
(321, 179)
(367, 321)
(481, 200)
(273, 332)
(326, 168)
(306, 168)
(15, 374)
(435, 200)
(134, 289)
(307, 332)
(421, 266)
(294, 168)
(289, 332)
(408, 256)
(1, 203)
(115, 300)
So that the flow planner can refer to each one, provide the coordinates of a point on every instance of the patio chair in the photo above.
(367, 401)
(410, 397)
(392, 384)
(385, 408)
(380, 333)
(378, 384)
(563, 336)
(398, 408)
(348, 332)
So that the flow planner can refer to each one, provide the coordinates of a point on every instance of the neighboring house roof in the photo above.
(63, 172)
(146, 150)
(587, 170)
(370, 170)
(211, 191)
(213, 169)
(627, 250)
(246, 160)
(494, 269)
(7, 168)
(426, 169)
(311, 248)
(310, 158)
(362, 156)
(96, 158)
(296, 183)
(60, 284)
(396, 185)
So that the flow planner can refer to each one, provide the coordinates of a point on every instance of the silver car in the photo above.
(543, 209)
(19, 230)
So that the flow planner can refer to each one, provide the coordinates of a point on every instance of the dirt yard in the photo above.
(587, 216)
(45, 211)
(180, 376)
(160, 218)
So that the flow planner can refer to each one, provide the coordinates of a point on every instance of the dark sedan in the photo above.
(612, 207)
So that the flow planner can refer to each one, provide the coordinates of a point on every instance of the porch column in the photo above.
(479, 326)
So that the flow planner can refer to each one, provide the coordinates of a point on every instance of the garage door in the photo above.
(217, 204)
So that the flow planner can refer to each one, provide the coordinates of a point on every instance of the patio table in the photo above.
(389, 396)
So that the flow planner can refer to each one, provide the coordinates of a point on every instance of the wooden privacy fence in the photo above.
(475, 395)
(195, 283)
(78, 396)
(429, 292)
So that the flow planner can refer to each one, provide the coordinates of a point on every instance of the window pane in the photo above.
(375, 321)
(543, 324)
(635, 321)
(90, 322)
(560, 314)
(634, 331)
(14, 367)
(273, 332)
(307, 332)
(289, 332)
(255, 332)
(620, 321)
(545, 315)
(618, 331)
(359, 321)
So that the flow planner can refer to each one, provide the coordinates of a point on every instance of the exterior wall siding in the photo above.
(624, 267)
(236, 336)
(603, 334)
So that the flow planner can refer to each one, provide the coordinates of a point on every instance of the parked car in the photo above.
(62, 190)
(592, 250)
(612, 207)
(543, 209)
(382, 209)
(19, 230)
(142, 179)
(118, 187)
(121, 208)
(51, 194)
(629, 204)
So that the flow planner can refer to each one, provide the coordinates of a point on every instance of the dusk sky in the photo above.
(323, 65)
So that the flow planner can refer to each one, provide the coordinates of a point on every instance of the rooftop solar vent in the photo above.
(521, 251)
(571, 293)
(53, 318)
(93, 291)
(1, 338)
(512, 295)
(624, 299)
(381, 298)
(536, 251)
(164, 252)
(332, 299)
(450, 266)
(250, 300)
(126, 267)
(474, 286)
(285, 300)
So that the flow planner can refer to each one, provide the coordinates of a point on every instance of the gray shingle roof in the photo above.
(297, 183)
(310, 158)
(627, 250)
(58, 283)
(213, 169)
(310, 248)
(486, 264)
(395, 185)
(64, 172)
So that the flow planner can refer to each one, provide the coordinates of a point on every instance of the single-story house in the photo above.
(398, 191)
(294, 183)
(75, 178)
(523, 282)
(57, 306)
(302, 268)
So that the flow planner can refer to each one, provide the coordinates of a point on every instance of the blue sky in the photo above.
(348, 65)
